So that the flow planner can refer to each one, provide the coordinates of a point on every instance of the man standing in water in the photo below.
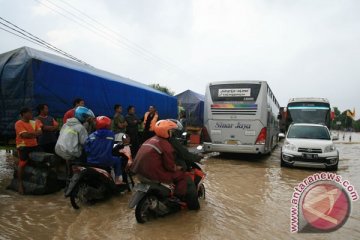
(78, 102)
(118, 124)
(150, 118)
(48, 138)
(27, 130)
(132, 129)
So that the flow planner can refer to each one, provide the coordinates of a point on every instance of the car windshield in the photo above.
(308, 132)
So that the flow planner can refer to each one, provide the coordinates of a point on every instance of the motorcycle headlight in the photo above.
(289, 146)
(330, 148)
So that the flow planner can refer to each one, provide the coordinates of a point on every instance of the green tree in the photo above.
(347, 122)
(356, 126)
(162, 89)
(336, 119)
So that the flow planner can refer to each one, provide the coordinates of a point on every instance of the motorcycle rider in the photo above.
(99, 147)
(73, 135)
(183, 157)
(125, 151)
(155, 160)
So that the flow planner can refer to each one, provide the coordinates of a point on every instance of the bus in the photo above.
(308, 110)
(240, 117)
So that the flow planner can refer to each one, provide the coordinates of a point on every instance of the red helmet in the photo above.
(163, 127)
(103, 122)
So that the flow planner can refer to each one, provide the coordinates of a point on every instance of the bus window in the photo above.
(235, 92)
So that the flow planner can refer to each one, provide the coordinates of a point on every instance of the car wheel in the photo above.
(333, 168)
(282, 162)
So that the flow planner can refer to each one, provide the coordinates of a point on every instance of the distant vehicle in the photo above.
(309, 145)
(240, 117)
(282, 119)
(308, 110)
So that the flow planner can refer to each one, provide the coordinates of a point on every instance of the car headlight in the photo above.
(289, 146)
(330, 148)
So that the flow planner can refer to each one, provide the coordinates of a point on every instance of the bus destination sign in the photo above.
(234, 92)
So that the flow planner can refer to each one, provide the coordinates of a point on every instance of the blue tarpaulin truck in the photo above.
(29, 77)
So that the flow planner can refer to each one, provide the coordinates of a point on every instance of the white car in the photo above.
(309, 145)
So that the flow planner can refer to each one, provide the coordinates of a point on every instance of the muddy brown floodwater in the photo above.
(247, 198)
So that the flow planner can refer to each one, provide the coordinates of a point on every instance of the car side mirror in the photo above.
(281, 135)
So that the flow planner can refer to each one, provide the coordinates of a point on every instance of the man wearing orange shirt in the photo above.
(150, 118)
(27, 131)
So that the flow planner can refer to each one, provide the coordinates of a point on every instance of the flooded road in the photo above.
(246, 198)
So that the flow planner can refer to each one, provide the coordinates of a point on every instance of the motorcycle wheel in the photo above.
(77, 196)
(201, 192)
(143, 210)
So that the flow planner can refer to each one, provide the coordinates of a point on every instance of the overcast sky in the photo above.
(303, 48)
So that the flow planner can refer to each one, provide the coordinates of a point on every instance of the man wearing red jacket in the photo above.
(78, 102)
(155, 160)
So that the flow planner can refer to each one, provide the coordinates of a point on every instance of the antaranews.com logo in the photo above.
(321, 203)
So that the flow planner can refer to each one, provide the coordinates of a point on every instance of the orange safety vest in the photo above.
(153, 121)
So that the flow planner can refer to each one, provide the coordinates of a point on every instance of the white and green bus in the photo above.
(308, 110)
(240, 117)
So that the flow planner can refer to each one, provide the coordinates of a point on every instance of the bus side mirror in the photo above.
(279, 117)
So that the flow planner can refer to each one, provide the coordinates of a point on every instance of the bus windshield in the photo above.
(310, 132)
(318, 113)
(235, 92)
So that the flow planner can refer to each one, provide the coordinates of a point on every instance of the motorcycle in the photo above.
(90, 183)
(154, 199)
